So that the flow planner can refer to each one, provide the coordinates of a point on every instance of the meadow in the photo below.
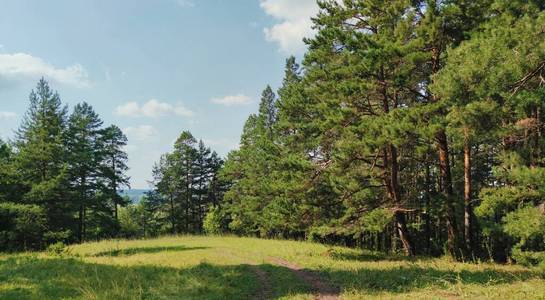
(199, 267)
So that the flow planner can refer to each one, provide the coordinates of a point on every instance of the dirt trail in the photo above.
(323, 290)
(266, 289)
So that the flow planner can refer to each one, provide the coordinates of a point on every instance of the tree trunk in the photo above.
(82, 209)
(392, 186)
(403, 232)
(84, 226)
(468, 210)
(81, 228)
(427, 217)
(448, 193)
(172, 220)
(536, 153)
(391, 170)
(114, 190)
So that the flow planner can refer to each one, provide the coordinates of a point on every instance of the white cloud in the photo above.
(108, 75)
(228, 144)
(21, 66)
(6, 115)
(140, 133)
(186, 3)
(294, 23)
(152, 109)
(233, 100)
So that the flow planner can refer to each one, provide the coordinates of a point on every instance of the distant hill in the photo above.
(134, 194)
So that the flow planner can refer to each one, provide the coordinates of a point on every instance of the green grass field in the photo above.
(246, 268)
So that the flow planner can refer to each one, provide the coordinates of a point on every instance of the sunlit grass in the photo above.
(192, 267)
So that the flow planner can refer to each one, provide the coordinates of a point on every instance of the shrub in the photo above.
(22, 227)
(128, 222)
(212, 223)
(58, 248)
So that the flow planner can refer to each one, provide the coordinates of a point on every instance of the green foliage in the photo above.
(212, 223)
(376, 220)
(22, 227)
(409, 124)
(526, 223)
(58, 248)
(128, 222)
(430, 109)
(186, 184)
(68, 167)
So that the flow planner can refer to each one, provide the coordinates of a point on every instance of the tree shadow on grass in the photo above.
(412, 278)
(366, 257)
(30, 277)
(145, 250)
(374, 256)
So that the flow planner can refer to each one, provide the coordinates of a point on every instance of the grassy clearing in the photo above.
(225, 268)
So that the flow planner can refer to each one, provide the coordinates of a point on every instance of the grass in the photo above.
(191, 267)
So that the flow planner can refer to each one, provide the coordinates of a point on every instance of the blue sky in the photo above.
(154, 68)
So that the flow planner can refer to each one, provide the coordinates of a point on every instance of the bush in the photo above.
(128, 222)
(22, 227)
(212, 223)
(529, 258)
(58, 248)
(527, 225)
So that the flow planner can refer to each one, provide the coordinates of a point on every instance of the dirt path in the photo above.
(266, 290)
(323, 290)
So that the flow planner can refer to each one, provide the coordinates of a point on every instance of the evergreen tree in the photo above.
(506, 75)
(184, 158)
(82, 144)
(165, 185)
(59, 171)
(113, 165)
(41, 159)
(185, 185)
(251, 171)
(9, 183)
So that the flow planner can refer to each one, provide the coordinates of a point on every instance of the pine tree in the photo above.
(164, 181)
(504, 76)
(84, 156)
(113, 165)
(251, 170)
(201, 181)
(268, 111)
(184, 157)
(186, 184)
(9, 185)
(41, 160)
(362, 75)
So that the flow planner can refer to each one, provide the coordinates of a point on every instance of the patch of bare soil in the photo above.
(266, 290)
(322, 289)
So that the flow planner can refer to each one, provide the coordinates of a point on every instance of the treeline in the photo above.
(185, 187)
(60, 176)
(412, 126)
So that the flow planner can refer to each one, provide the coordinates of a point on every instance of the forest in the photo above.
(62, 177)
(411, 127)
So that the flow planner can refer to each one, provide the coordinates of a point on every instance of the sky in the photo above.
(153, 68)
